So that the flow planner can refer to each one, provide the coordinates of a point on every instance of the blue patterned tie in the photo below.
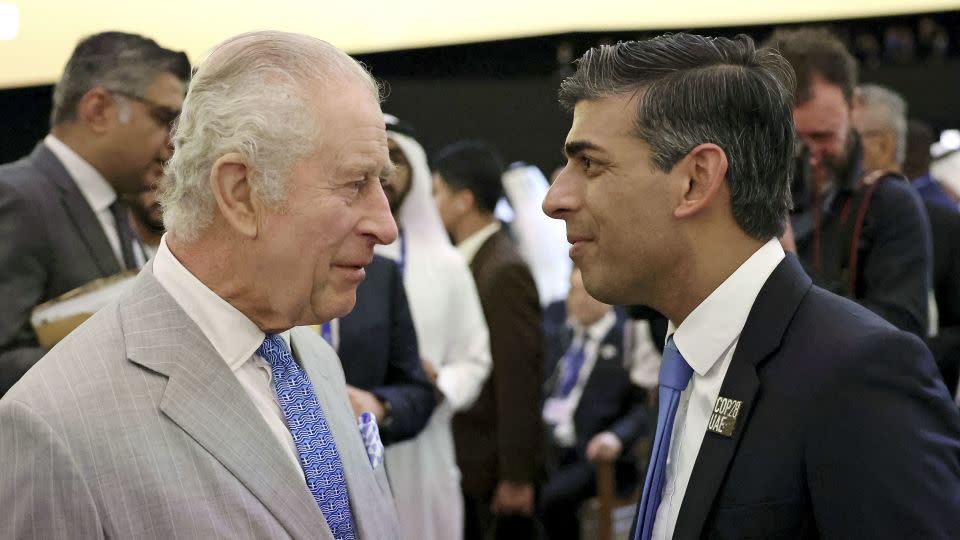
(674, 376)
(319, 458)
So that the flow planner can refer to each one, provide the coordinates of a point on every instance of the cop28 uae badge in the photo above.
(724, 417)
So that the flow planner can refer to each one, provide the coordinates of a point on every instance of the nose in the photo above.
(378, 224)
(562, 197)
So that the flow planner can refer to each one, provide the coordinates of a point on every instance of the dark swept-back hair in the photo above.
(694, 89)
(474, 166)
(116, 61)
(816, 52)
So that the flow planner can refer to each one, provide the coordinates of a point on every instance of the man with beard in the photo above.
(146, 216)
(61, 223)
(860, 233)
(452, 338)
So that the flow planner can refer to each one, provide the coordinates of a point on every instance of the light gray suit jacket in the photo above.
(134, 427)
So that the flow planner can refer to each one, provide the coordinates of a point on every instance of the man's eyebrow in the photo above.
(368, 165)
(388, 169)
(573, 148)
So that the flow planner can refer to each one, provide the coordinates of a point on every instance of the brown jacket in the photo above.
(499, 438)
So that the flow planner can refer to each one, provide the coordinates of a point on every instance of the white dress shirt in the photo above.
(472, 244)
(707, 340)
(564, 431)
(232, 334)
(643, 357)
(98, 193)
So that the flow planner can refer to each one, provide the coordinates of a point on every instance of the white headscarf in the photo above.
(946, 170)
(453, 337)
(451, 329)
(419, 216)
(542, 241)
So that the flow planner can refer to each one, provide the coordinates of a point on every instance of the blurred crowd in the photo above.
(499, 384)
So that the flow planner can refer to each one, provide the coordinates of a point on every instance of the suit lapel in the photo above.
(206, 400)
(761, 337)
(76, 206)
(322, 366)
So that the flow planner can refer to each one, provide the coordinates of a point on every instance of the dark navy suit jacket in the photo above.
(378, 349)
(610, 402)
(846, 429)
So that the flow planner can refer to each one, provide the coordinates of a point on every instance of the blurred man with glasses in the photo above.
(62, 222)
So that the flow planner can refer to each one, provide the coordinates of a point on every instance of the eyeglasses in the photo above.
(162, 114)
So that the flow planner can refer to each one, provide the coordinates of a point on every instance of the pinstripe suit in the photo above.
(134, 427)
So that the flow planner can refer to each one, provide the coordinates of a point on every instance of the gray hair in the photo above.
(890, 109)
(126, 63)
(693, 90)
(251, 96)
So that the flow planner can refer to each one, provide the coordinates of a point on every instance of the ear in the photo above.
(97, 109)
(230, 183)
(464, 200)
(705, 169)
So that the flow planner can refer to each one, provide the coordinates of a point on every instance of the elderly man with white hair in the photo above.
(193, 406)
(881, 118)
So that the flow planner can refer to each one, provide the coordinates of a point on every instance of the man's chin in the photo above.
(338, 306)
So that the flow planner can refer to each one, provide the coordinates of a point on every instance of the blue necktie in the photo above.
(674, 376)
(326, 331)
(572, 362)
(319, 458)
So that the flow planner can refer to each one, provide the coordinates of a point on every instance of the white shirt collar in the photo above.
(94, 187)
(232, 334)
(472, 244)
(716, 323)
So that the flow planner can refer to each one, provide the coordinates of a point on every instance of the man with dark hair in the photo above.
(860, 233)
(61, 221)
(785, 411)
(498, 440)
(146, 216)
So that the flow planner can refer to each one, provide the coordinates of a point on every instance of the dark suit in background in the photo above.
(845, 431)
(50, 242)
(945, 226)
(378, 349)
(609, 402)
(658, 323)
(499, 438)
